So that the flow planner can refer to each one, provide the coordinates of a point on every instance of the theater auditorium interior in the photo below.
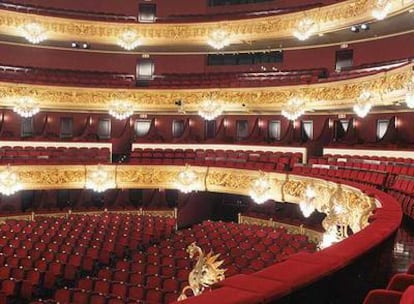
(207, 151)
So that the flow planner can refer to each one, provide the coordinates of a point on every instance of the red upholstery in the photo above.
(268, 289)
(400, 282)
(225, 295)
(408, 296)
(294, 273)
(382, 296)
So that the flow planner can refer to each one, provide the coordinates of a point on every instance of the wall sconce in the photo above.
(354, 123)
(330, 123)
(226, 123)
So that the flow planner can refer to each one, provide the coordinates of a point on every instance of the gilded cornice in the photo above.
(327, 18)
(51, 177)
(344, 206)
(389, 87)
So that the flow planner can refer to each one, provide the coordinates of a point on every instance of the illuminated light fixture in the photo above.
(304, 29)
(219, 39)
(210, 109)
(330, 237)
(121, 109)
(188, 181)
(260, 190)
(363, 105)
(33, 32)
(294, 108)
(100, 179)
(354, 29)
(306, 205)
(129, 40)
(26, 107)
(409, 95)
(381, 9)
(9, 181)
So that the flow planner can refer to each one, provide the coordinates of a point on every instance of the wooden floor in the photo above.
(404, 247)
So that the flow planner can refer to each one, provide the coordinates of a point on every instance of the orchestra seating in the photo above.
(53, 155)
(38, 255)
(65, 77)
(158, 273)
(257, 160)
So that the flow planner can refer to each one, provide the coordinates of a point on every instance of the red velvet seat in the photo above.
(400, 282)
(268, 289)
(382, 296)
(225, 295)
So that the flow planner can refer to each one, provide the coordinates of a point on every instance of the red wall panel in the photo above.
(124, 7)
(179, 64)
(398, 47)
(66, 59)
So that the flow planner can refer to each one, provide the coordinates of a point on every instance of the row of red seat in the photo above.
(226, 80)
(267, 161)
(372, 178)
(364, 70)
(185, 80)
(393, 174)
(41, 10)
(400, 290)
(105, 16)
(36, 254)
(393, 165)
(65, 77)
(403, 191)
(159, 272)
(46, 155)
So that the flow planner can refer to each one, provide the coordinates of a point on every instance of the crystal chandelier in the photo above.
(304, 29)
(363, 105)
(306, 205)
(26, 106)
(188, 181)
(9, 181)
(381, 9)
(294, 108)
(409, 95)
(33, 32)
(121, 109)
(260, 190)
(100, 179)
(129, 40)
(218, 39)
(210, 109)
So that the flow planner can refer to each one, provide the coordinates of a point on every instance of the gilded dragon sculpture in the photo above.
(205, 273)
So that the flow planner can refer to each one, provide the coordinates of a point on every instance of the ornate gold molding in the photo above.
(51, 177)
(327, 18)
(172, 213)
(324, 96)
(345, 207)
